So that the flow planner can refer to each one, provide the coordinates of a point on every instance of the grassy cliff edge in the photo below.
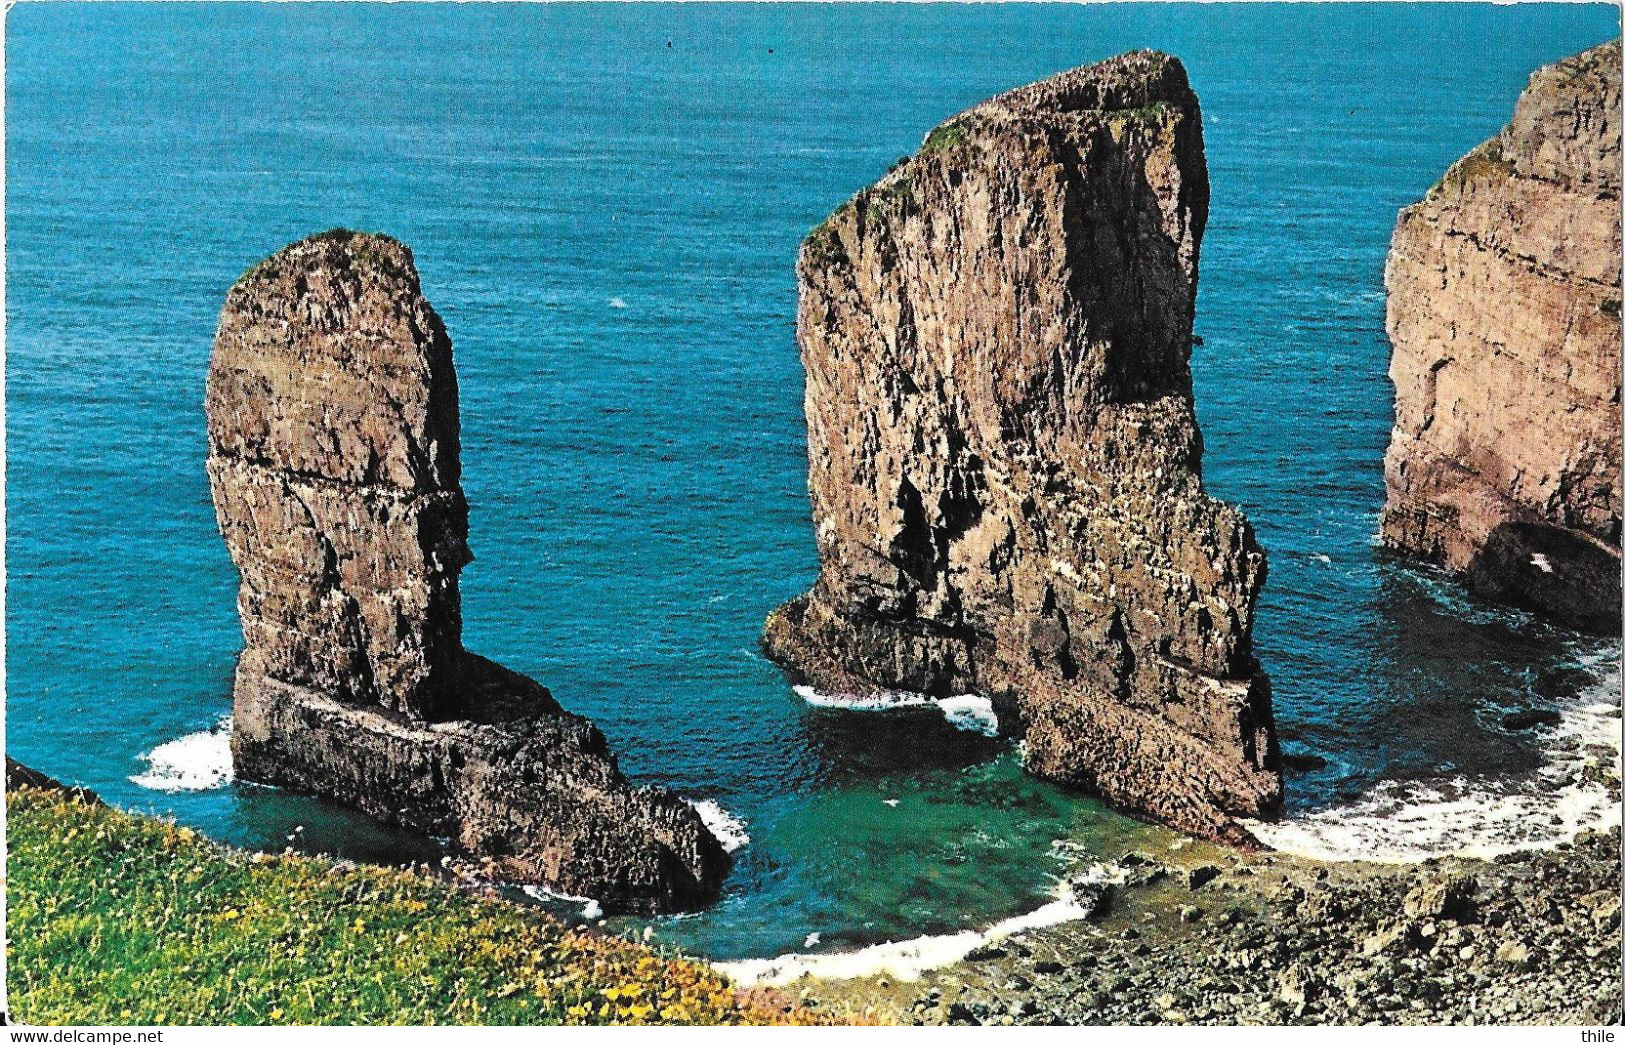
(123, 919)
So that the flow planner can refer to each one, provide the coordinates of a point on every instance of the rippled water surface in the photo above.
(605, 203)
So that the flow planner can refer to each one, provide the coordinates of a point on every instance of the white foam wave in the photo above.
(906, 960)
(616, 303)
(969, 712)
(729, 829)
(1479, 816)
(196, 762)
(590, 908)
(880, 700)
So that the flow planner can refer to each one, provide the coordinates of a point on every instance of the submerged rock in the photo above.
(1302, 762)
(334, 465)
(1504, 314)
(1004, 456)
(1531, 719)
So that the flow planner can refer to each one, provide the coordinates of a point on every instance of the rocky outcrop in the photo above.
(1504, 314)
(19, 776)
(1004, 458)
(334, 464)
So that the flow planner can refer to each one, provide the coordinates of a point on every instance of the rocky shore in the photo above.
(1199, 935)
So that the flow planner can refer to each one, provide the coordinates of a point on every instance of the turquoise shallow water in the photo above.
(605, 203)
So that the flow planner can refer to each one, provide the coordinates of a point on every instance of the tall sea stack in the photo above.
(1504, 314)
(334, 464)
(1004, 456)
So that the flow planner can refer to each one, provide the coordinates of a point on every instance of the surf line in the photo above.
(1477, 816)
(969, 712)
(907, 960)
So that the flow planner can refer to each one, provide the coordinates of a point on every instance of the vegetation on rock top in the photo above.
(1483, 163)
(944, 137)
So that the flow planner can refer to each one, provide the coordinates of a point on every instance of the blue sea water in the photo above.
(605, 203)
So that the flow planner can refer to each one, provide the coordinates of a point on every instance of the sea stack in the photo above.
(1504, 315)
(334, 464)
(1004, 461)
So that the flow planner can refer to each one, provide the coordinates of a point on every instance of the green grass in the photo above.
(1154, 111)
(894, 196)
(1120, 120)
(362, 250)
(122, 919)
(944, 137)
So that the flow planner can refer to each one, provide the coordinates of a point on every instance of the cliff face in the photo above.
(1004, 459)
(1504, 314)
(333, 460)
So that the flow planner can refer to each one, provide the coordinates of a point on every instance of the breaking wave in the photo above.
(1407, 821)
(966, 711)
(196, 762)
(728, 828)
(591, 909)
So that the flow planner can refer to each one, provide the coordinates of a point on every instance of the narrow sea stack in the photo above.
(1004, 461)
(334, 463)
(1504, 315)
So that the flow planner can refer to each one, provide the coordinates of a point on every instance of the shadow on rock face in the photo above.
(858, 745)
(1561, 573)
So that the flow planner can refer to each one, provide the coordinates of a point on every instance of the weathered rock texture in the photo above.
(333, 459)
(1503, 311)
(1004, 457)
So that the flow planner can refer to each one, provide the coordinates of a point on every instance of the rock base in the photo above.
(530, 789)
(1198, 761)
(1560, 573)
(21, 776)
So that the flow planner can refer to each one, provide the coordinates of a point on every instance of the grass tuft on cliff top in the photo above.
(122, 919)
(1485, 163)
(944, 137)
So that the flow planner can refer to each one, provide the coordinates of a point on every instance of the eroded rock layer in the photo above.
(334, 464)
(1504, 315)
(1004, 458)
